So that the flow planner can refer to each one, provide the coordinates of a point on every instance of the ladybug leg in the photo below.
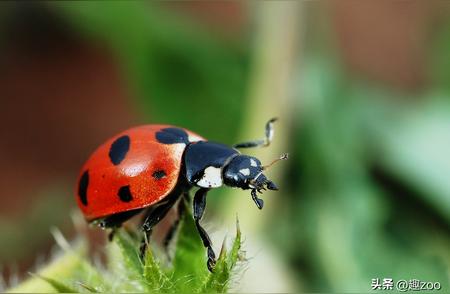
(153, 216)
(258, 201)
(260, 143)
(115, 221)
(111, 234)
(199, 208)
(181, 209)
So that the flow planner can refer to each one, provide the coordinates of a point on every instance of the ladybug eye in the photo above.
(251, 183)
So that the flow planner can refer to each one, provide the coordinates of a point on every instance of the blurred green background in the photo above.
(362, 90)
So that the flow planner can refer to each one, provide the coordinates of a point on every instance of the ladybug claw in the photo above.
(142, 250)
(258, 201)
(146, 227)
(102, 225)
(211, 264)
(111, 235)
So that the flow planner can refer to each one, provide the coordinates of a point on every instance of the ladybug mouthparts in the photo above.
(259, 184)
(259, 181)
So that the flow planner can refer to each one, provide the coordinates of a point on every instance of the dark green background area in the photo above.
(182, 74)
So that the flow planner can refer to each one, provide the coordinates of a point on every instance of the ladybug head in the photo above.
(246, 172)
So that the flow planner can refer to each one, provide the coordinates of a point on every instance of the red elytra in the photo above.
(150, 170)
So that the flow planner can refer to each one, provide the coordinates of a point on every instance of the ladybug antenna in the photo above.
(283, 156)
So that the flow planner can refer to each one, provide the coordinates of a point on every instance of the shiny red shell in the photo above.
(144, 157)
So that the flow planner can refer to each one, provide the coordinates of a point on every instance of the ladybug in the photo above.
(147, 168)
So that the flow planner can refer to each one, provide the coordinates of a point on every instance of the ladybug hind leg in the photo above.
(181, 209)
(115, 221)
(152, 217)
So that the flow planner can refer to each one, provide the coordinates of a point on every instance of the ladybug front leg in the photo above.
(199, 208)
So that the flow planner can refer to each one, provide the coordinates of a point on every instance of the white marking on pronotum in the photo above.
(193, 138)
(212, 178)
(253, 162)
(245, 171)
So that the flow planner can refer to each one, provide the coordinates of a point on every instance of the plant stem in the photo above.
(269, 93)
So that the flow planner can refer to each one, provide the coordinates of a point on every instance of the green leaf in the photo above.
(86, 274)
(235, 253)
(126, 273)
(59, 286)
(156, 279)
(129, 251)
(218, 281)
(189, 264)
(125, 269)
(64, 267)
(88, 288)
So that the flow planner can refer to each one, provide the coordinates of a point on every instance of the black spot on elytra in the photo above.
(82, 187)
(172, 136)
(159, 174)
(125, 194)
(119, 149)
